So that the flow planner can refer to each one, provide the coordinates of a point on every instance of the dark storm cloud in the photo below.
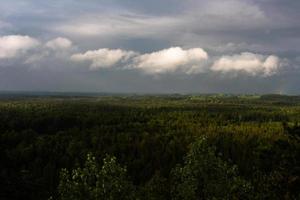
(238, 35)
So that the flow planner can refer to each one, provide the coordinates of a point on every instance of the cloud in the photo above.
(108, 25)
(58, 48)
(249, 63)
(176, 60)
(225, 15)
(195, 17)
(236, 48)
(12, 46)
(22, 49)
(103, 58)
(59, 43)
(171, 60)
(224, 29)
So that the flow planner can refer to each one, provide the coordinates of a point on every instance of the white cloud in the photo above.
(59, 43)
(171, 60)
(19, 50)
(103, 58)
(12, 46)
(174, 59)
(249, 63)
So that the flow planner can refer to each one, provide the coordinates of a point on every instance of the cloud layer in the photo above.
(173, 60)
(249, 63)
(176, 60)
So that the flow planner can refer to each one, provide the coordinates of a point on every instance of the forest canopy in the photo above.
(149, 147)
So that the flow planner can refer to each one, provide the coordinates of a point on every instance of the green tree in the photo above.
(93, 182)
(206, 176)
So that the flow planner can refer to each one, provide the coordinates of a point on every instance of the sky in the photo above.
(157, 46)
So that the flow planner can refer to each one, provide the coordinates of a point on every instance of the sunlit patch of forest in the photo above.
(150, 147)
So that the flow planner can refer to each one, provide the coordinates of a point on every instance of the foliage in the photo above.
(94, 182)
(251, 143)
(205, 175)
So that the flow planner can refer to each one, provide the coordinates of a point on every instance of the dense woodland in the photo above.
(150, 147)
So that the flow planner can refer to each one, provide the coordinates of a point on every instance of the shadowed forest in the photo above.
(151, 147)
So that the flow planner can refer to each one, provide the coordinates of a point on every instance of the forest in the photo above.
(151, 147)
